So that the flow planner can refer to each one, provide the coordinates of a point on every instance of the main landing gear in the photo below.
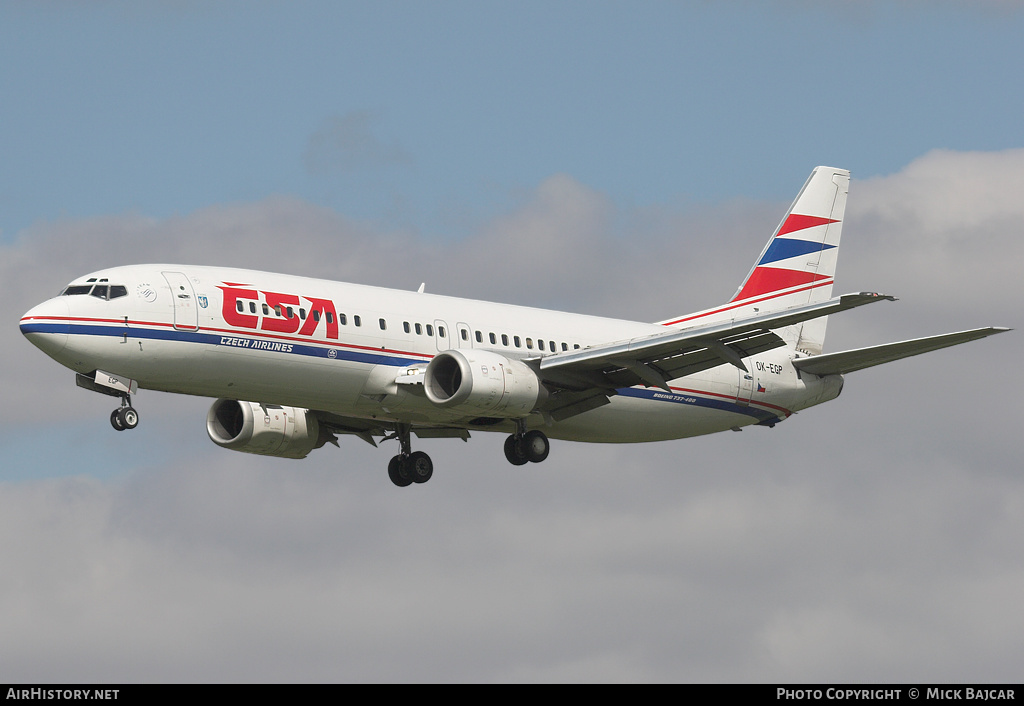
(526, 446)
(125, 416)
(409, 466)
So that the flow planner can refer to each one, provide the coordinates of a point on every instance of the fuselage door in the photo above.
(186, 315)
(746, 387)
(442, 335)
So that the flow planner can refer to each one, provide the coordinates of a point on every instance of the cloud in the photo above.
(348, 143)
(870, 539)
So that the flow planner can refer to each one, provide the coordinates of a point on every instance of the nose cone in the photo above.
(47, 326)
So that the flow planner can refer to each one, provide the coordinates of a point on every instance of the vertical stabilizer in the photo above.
(800, 257)
(797, 265)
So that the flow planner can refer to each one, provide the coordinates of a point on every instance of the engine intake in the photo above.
(482, 382)
(267, 430)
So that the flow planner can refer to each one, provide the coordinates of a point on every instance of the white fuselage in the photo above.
(337, 348)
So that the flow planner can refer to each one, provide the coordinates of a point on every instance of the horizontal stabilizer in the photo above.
(849, 361)
(674, 353)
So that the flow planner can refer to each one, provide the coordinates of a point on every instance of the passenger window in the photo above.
(516, 340)
(302, 314)
(479, 337)
(266, 311)
(357, 320)
(342, 319)
(440, 331)
(316, 315)
(430, 330)
(565, 346)
(492, 338)
(252, 307)
(540, 343)
(465, 334)
(383, 324)
(290, 312)
(529, 343)
(277, 309)
(504, 339)
(419, 330)
(405, 325)
(239, 305)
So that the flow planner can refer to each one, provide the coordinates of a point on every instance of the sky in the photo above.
(622, 159)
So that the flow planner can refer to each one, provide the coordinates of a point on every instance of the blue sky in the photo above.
(613, 158)
(431, 115)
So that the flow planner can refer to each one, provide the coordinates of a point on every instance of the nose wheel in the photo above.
(125, 416)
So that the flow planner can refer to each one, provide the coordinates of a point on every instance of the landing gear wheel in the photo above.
(124, 418)
(419, 467)
(514, 452)
(530, 447)
(398, 473)
(128, 417)
(535, 446)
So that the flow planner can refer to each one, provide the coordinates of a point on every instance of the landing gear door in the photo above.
(186, 315)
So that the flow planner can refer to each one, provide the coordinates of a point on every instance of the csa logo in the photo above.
(203, 301)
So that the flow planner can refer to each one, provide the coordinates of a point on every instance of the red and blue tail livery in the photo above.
(801, 255)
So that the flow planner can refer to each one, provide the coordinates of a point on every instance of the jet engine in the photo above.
(268, 430)
(482, 383)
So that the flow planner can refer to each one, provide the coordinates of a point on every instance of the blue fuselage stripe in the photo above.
(696, 400)
(233, 340)
(345, 353)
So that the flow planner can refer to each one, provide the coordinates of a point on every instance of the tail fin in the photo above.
(798, 264)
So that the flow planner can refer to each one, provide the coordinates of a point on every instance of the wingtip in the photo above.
(879, 295)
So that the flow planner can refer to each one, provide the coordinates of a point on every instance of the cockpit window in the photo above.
(77, 289)
(100, 291)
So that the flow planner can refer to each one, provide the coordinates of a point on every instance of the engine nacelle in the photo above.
(268, 430)
(482, 383)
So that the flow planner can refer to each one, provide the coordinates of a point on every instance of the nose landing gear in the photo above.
(125, 416)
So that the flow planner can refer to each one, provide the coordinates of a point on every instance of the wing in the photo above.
(366, 429)
(860, 358)
(656, 359)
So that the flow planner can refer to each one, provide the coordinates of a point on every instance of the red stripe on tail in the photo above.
(797, 222)
(771, 279)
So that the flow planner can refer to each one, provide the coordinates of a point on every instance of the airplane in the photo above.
(294, 362)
